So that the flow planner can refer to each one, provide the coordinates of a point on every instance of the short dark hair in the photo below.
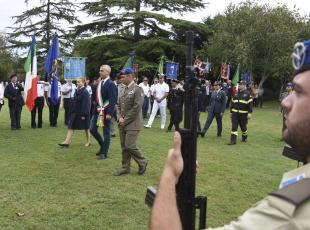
(13, 75)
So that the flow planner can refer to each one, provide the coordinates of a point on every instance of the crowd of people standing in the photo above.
(96, 107)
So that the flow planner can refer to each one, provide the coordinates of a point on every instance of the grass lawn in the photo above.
(45, 187)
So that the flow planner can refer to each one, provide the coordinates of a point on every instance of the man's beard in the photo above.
(299, 138)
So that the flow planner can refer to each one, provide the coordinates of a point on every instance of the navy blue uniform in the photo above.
(108, 92)
(13, 93)
(215, 109)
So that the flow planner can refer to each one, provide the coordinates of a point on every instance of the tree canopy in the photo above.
(258, 37)
(42, 21)
(135, 16)
(6, 59)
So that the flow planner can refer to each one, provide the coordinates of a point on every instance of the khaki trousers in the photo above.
(129, 148)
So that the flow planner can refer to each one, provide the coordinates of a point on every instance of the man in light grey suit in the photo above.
(129, 118)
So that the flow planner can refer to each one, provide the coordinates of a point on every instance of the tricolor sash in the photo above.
(102, 105)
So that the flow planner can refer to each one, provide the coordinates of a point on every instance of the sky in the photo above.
(10, 8)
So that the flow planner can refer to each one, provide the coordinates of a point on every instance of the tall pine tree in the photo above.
(42, 21)
(135, 19)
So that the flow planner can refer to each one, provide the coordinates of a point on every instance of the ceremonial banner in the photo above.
(130, 61)
(136, 70)
(51, 68)
(235, 80)
(172, 70)
(74, 67)
(30, 68)
(160, 69)
(246, 77)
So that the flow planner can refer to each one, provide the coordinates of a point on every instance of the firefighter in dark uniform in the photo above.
(175, 105)
(240, 113)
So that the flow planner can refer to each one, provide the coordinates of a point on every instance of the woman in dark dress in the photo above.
(80, 113)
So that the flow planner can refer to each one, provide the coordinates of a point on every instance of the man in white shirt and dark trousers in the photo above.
(161, 91)
(146, 91)
(68, 90)
(38, 105)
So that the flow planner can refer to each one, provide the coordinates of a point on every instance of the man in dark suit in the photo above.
(13, 93)
(215, 109)
(106, 97)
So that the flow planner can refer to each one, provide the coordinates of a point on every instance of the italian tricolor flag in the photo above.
(235, 81)
(30, 68)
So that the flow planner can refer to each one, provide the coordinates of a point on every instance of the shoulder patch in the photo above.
(296, 194)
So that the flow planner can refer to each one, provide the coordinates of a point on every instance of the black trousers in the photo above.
(175, 118)
(67, 107)
(239, 119)
(15, 113)
(53, 110)
(38, 105)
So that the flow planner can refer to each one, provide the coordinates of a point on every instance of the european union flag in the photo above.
(51, 68)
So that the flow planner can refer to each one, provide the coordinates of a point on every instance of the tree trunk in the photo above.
(137, 21)
(48, 22)
(264, 78)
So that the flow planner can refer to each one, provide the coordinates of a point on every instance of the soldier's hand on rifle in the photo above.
(222, 114)
(174, 162)
(249, 116)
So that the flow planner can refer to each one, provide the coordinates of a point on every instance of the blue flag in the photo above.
(130, 61)
(172, 70)
(51, 68)
(246, 77)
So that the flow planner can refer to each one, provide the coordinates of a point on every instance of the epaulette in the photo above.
(296, 194)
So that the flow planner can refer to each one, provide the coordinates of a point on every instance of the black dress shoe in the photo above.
(142, 169)
(98, 153)
(102, 157)
(231, 143)
(202, 134)
(64, 145)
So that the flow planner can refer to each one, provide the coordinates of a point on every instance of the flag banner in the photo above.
(202, 67)
(51, 68)
(130, 61)
(74, 67)
(136, 70)
(228, 71)
(246, 77)
(172, 70)
(30, 68)
(224, 72)
(160, 69)
(235, 80)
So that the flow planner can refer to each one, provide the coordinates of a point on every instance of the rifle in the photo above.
(185, 189)
(289, 152)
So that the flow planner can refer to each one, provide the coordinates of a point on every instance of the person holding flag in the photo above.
(106, 97)
(52, 91)
(38, 104)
